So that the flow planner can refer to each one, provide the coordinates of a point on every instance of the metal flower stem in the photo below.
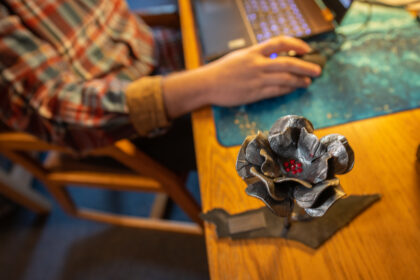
(287, 223)
(299, 215)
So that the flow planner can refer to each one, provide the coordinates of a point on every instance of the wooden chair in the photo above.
(142, 174)
(145, 173)
(16, 186)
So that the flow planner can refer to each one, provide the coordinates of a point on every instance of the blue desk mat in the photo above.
(373, 74)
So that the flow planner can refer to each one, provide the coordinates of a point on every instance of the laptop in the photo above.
(227, 25)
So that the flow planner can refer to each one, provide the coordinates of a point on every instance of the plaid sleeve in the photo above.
(40, 94)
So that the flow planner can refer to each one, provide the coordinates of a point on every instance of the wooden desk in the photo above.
(382, 243)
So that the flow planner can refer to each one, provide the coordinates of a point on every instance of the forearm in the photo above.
(241, 77)
(186, 91)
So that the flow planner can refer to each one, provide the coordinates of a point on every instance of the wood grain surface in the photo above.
(382, 243)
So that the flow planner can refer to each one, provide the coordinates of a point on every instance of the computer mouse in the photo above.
(314, 57)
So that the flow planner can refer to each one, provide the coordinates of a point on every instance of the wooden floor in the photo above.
(63, 247)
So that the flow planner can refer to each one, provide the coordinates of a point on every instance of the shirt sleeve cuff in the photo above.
(145, 105)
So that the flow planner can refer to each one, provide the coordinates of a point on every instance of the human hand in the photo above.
(249, 75)
(242, 77)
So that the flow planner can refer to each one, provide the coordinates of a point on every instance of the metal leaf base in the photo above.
(263, 223)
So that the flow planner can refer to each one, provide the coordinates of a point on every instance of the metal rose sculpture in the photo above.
(292, 166)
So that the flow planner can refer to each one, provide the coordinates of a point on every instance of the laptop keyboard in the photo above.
(271, 18)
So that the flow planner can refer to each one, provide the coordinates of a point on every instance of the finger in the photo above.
(283, 44)
(285, 79)
(292, 65)
(272, 91)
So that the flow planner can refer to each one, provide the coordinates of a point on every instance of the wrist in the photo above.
(184, 92)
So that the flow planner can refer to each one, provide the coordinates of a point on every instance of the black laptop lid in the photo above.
(221, 27)
(338, 8)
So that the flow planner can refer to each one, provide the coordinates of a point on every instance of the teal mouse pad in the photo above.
(376, 72)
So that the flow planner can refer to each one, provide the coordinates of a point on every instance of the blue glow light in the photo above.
(273, 55)
(345, 3)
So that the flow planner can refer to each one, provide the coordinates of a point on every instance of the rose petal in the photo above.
(306, 198)
(309, 147)
(291, 121)
(325, 201)
(282, 180)
(279, 207)
(339, 148)
(252, 152)
(282, 144)
(275, 193)
(259, 154)
(315, 171)
(269, 167)
(242, 165)
(284, 134)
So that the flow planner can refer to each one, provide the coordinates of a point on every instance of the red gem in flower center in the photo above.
(293, 166)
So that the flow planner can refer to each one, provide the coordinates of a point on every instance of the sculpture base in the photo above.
(312, 232)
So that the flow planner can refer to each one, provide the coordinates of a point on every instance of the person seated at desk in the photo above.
(85, 74)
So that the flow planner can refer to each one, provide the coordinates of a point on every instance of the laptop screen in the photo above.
(338, 8)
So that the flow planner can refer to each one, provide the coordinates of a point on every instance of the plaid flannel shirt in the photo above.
(75, 72)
